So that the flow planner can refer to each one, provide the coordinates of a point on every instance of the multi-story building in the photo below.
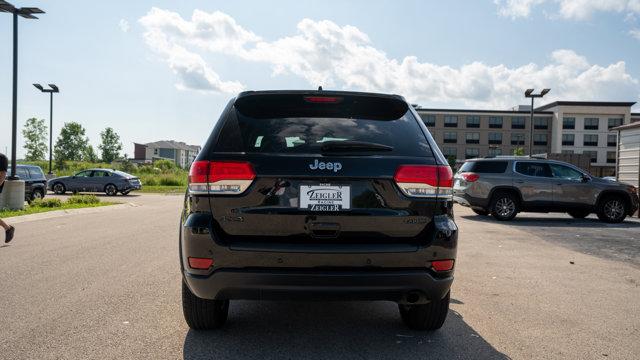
(179, 152)
(580, 127)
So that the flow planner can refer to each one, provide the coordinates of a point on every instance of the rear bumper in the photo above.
(402, 286)
(464, 199)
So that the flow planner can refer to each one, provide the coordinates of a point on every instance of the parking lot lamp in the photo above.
(529, 93)
(27, 13)
(52, 89)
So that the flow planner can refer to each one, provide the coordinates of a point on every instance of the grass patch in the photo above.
(163, 189)
(44, 205)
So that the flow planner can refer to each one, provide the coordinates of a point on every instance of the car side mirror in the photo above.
(585, 178)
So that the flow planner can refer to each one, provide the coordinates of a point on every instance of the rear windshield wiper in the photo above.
(345, 146)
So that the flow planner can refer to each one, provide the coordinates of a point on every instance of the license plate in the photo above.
(325, 197)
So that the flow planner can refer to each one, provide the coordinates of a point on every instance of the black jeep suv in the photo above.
(318, 195)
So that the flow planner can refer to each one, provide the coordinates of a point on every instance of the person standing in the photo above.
(4, 166)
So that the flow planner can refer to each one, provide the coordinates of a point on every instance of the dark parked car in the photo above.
(108, 181)
(35, 184)
(504, 186)
(318, 195)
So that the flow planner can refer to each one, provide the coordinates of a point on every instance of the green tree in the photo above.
(90, 155)
(519, 151)
(452, 162)
(35, 139)
(71, 144)
(110, 146)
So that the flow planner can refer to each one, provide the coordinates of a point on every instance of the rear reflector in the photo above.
(424, 180)
(220, 177)
(200, 263)
(323, 99)
(442, 265)
(470, 177)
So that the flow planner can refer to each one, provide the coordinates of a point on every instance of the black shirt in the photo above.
(4, 163)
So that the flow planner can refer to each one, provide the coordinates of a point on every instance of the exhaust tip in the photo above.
(413, 297)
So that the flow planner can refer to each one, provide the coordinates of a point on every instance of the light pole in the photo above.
(529, 93)
(27, 13)
(53, 89)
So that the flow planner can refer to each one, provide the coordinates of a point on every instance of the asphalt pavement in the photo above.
(106, 285)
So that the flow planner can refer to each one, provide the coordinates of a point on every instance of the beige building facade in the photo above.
(577, 127)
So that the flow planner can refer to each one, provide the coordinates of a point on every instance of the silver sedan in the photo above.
(108, 181)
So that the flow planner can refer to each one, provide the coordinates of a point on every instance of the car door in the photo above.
(79, 182)
(535, 182)
(100, 179)
(571, 188)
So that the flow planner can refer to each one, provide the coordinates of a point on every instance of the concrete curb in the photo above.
(62, 213)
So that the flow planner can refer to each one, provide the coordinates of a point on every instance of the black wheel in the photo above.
(203, 314)
(579, 214)
(429, 316)
(612, 209)
(480, 212)
(111, 190)
(504, 206)
(59, 188)
(37, 194)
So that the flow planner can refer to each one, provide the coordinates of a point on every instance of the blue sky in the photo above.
(158, 70)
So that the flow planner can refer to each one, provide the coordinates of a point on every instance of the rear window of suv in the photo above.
(484, 167)
(302, 128)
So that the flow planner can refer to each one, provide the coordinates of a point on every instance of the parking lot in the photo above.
(105, 283)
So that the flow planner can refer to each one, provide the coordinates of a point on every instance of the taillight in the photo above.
(220, 177)
(424, 180)
(323, 99)
(470, 177)
(442, 265)
(200, 263)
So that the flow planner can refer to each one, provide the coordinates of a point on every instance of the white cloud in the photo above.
(635, 33)
(324, 53)
(124, 25)
(567, 9)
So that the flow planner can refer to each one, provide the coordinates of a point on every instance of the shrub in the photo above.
(46, 203)
(165, 165)
(168, 180)
(83, 199)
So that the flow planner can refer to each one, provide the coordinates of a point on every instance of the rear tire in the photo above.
(203, 314)
(428, 317)
(110, 190)
(481, 212)
(612, 209)
(579, 214)
(504, 206)
(37, 194)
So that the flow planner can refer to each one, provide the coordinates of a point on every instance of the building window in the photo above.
(590, 140)
(517, 139)
(517, 122)
(591, 123)
(155, 151)
(568, 139)
(613, 122)
(450, 121)
(495, 138)
(473, 121)
(449, 151)
(593, 155)
(495, 151)
(612, 140)
(540, 123)
(495, 122)
(539, 139)
(471, 153)
(611, 157)
(450, 138)
(569, 123)
(473, 138)
(429, 120)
